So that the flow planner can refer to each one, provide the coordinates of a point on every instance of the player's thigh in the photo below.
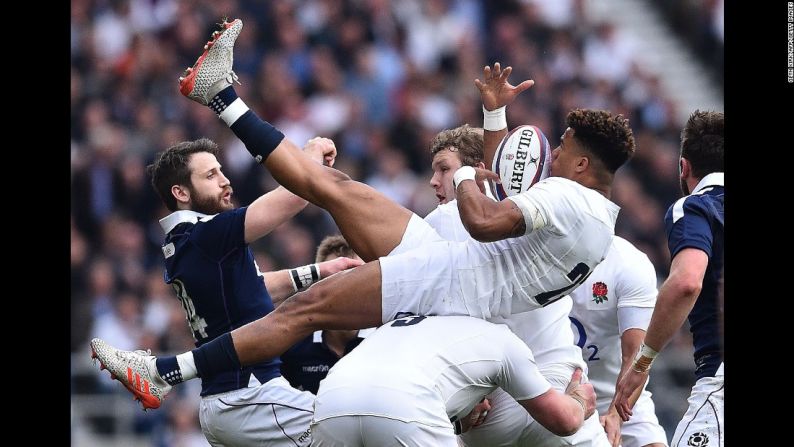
(702, 424)
(372, 223)
(424, 281)
(272, 414)
(417, 234)
(643, 428)
(347, 300)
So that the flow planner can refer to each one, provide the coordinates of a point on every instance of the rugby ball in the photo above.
(522, 159)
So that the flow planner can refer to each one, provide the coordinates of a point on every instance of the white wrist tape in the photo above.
(494, 120)
(463, 173)
(647, 351)
(644, 359)
(303, 277)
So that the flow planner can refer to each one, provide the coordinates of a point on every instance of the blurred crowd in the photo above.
(702, 26)
(379, 77)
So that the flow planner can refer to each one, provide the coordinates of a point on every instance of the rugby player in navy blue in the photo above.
(213, 271)
(307, 363)
(695, 235)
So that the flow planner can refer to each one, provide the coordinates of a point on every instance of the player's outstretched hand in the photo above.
(583, 392)
(321, 150)
(496, 91)
(328, 268)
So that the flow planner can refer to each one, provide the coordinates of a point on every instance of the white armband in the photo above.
(494, 120)
(633, 317)
(463, 173)
(303, 277)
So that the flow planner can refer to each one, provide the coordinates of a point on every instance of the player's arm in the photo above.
(630, 342)
(485, 219)
(496, 92)
(677, 296)
(488, 221)
(563, 414)
(277, 206)
(635, 291)
(676, 299)
(282, 284)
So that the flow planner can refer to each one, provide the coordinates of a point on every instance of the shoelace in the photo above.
(232, 77)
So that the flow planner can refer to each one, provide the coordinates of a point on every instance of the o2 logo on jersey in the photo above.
(583, 340)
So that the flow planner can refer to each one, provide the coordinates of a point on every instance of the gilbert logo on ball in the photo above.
(522, 159)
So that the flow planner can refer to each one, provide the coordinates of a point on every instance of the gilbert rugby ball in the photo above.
(522, 159)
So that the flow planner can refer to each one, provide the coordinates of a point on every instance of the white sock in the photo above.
(187, 365)
(233, 111)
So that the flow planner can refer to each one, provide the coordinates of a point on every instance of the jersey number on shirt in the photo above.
(197, 324)
(583, 340)
(408, 321)
(577, 275)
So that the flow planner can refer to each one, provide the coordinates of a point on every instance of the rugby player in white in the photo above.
(413, 378)
(546, 331)
(544, 242)
(610, 314)
(608, 332)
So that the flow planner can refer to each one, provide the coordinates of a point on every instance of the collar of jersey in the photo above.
(713, 179)
(177, 217)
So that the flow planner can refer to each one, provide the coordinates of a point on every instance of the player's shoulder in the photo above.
(694, 204)
(624, 248)
(553, 186)
(628, 256)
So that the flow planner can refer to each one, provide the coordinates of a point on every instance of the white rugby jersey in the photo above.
(547, 330)
(625, 278)
(527, 272)
(429, 370)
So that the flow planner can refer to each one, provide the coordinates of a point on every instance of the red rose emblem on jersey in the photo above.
(600, 292)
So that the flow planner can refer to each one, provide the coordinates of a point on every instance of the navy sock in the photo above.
(216, 356)
(168, 369)
(222, 100)
(259, 136)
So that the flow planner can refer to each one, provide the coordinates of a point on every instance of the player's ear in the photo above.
(582, 164)
(480, 165)
(180, 193)
(684, 167)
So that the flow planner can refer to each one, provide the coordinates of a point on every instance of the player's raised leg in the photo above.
(372, 224)
(346, 300)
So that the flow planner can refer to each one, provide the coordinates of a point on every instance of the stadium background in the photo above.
(380, 78)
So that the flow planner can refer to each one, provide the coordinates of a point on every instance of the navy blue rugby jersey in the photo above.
(698, 221)
(219, 284)
(307, 362)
